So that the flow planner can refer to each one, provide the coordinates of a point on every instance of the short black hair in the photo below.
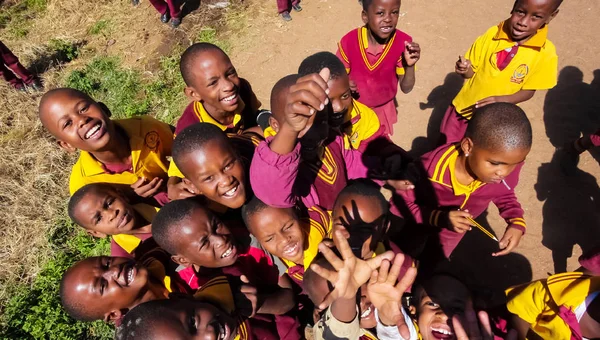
(556, 4)
(193, 138)
(366, 4)
(189, 56)
(72, 304)
(253, 206)
(80, 194)
(169, 218)
(278, 94)
(500, 126)
(140, 322)
(320, 60)
(446, 290)
(365, 188)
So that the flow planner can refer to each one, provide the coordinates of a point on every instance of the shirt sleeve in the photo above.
(76, 180)
(356, 166)
(528, 301)
(272, 176)
(508, 205)
(330, 328)
(544, 74)
(476, 53)
(400, 64)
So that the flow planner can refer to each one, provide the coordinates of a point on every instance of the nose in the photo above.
(523, 21)
(225, 180)
(217, 241)
(228, 86)
(82, 120)
(336, 105)
(111, 273)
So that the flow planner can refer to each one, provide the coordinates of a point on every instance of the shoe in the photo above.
(286, 16)
(37, 85)
(297, 8)
(20, 87)
(135, 2)
(164, 18)
(175, 22)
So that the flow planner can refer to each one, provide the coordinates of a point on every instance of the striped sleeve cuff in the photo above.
(517, 223)
(434, 217)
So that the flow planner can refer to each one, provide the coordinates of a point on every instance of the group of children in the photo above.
(241, 223)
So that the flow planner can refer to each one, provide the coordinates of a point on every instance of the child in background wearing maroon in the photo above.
(15, 73)
(283, 7)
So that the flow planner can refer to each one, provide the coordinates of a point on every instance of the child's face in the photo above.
(216, 172)
(204, 241)
(215, 82)
(77, 121)
(432, 320)
(193, 319)
(528, 16)
(107, 284)
(105, 212)
(279, 232)
(382, 17)
(341, 100)
(368, 210)
(492, 166)
(367, 310)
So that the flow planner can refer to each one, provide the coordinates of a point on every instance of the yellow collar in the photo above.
(459, 188)
(538, 40)
(205, 117)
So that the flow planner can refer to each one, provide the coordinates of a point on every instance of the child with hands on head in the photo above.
(378, 57)
(129, 151)
(507, 64)
(466, 177)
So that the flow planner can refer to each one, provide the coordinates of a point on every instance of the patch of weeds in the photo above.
(65, 51)
(101, 27)
(106, 81)
(17, 18)
(165, 92)
(209, 35)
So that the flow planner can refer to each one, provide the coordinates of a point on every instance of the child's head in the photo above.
(104, 288)
(498, 139)
(317, 129)
(435, 301)
(194, 235)
(210, 78)
(279, 230)
(362, 198)
(103, 209)
(76, 120)
(340, 95)
(177, 318)
(381, 17)
(210, 164)
(528, 16)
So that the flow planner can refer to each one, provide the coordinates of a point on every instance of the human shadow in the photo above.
(571, 211)
(51, 58)
(439, 99)
(189, 6)
(571, 107)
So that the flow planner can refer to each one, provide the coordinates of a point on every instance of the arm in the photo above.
(281, 300)
(510, 209)
(330, 328)
(407, 81)
(519, 97)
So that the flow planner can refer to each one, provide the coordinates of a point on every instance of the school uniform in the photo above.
(440, 192)
(595, 138)
(11, 68)
(243, 119)
(150, 141)
(284, 5)
(124, 245)
(173, 6)
(312, 183)
(502, 67)
(554, 306)
(375, 70)
(362, 126)
(160, 266)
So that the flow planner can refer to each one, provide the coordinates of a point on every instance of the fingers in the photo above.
(327, 300)
(307, 99)
(402, 185)
(149, 189)
(484, 102)
(331, 257)
(407, 280)
(375, 262)
(342, 245)
(395, 270)
(327, 274)
(509, 246)
(138, 183)
(374, 275)
(383, 271)
(486, 327)
(325, 74)
(459, 331)
(403, 328)
(244, 279)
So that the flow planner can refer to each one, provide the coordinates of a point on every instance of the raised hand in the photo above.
(305, 98)
(145, 188)
(412, 53)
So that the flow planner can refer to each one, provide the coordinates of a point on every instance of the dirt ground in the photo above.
(563, 212)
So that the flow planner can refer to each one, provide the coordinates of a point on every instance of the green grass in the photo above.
(209, 35)
(101, 27)
(17, 18)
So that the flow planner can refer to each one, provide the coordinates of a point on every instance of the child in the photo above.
(168, 9)
(130, 151)
(200, 241)
(292, 240)
(214, 165)
(563, 306)
(352, 118)
(507, 64)
(312, 164)
(105, 288)
(15, 73)
(209, 315)
(377, 57)
(466, 177)
(104, 209)
(283, 8)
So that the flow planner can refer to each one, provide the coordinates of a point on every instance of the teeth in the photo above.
(292, 249)
(221, 332)
(230, 98)
(92, 131)
(130, 276)
(227, 252)
(367, 312)
(231, 192)
(441, 330)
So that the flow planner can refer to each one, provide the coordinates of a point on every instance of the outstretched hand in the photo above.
(305, 98)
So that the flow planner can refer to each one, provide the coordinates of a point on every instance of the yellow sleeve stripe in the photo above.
(443, 161)
(434, 217)
(519, 223)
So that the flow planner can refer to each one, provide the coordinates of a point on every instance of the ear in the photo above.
(412, 310)
(95, 233)
(364, 16)
(274, 124)
(191, 185)
(191, 93)
(66, 146)
(181, 260)
(105, 109)
(466, 145)
(114, 315)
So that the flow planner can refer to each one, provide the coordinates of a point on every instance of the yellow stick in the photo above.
(482, 229)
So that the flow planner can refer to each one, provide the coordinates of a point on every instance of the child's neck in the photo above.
(141, 225)
(462, 172)
(156, 290)
(117, 151)
(374, 40)
(223, 117)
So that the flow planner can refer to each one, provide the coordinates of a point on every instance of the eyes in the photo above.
(107, 203)
(381, 13)
(193, 322)
(231, 73)
(83, 109)
(285, 229)
(521, 13)
(432, 305)
(228, 166)
(103, 282)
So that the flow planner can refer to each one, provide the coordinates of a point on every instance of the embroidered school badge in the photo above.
(354, 137)
(520, 74)
(151, 140)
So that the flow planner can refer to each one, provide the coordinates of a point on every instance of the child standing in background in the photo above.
(377, 57)
(15, 73)
(507, 64)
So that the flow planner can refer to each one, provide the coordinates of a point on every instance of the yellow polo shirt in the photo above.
(150, 141)
(538, 302)
(534, 67)
(360, 124)
(129, 242)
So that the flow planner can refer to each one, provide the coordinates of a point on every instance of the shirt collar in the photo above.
(131, 128)
(459, 188)
(377, 50)
(537, 41)
(205, 117)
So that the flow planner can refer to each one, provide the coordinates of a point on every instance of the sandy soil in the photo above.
(562, 212)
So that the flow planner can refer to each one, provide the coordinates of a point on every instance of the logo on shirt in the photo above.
(520, 74)
(151, 140)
